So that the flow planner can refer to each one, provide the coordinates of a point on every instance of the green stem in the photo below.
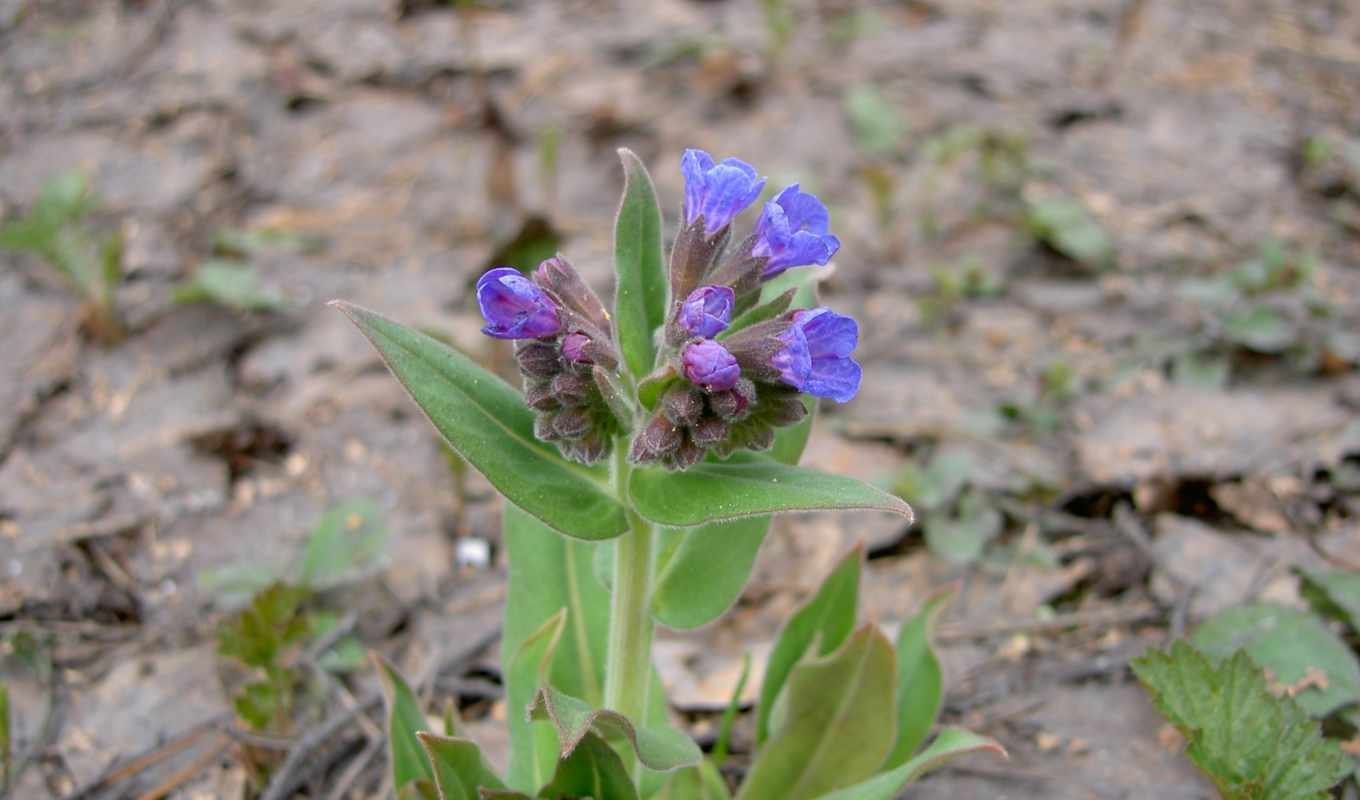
(628, 672)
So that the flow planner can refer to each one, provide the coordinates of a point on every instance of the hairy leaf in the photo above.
(838, 723)
(1253, 745)
(702, 782)
(592, 770)
(824, 622)
(662, 749)
(749, 485)
(950, 744)
(920, 681)
(487, 422)
(459, 768)
(640, 292)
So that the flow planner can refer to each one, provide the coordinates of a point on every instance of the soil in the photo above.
(1142, 462)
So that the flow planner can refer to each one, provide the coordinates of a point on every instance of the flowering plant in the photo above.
(642, 462)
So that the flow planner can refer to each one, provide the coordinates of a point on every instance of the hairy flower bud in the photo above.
(537, 360)
(572, 423)
(571, 389)
(682, 404)
(539, 396)
(708, 365)
(709, 431)
(735, 403)
(658, 439)
(559, 277)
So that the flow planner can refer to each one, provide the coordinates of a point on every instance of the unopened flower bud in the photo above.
(572, 423)
(514, 307)
(682, 404)
(570, 389)
(735, 403)
(539, 396)
(706, 312)
(708, 365)
(538, 360)
(709, 431)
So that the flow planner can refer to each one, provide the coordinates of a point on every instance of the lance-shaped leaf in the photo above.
(835, 723)
(487, 423)
(950, 744)
(640, 289)
(748, 485)
(662, 749)
(592, 770)
(825, 621)
(459, 769)
(404, 720)
(533, 744)
(548, 573)
(711, 563)
(920, 681)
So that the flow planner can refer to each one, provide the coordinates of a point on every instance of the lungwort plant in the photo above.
(642, 462)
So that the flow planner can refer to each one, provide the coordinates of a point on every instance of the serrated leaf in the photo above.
(920, 681)
(748, 485)
(459, 768)
(838, 725)
(406, 755)
(1335, 593)
(487, 423)
(950, 744)
(349, 537)
(1302, 655)
(661, 749)
(1253, 745)
(592, 770)
(711, 563)
(641, 287)
(818, 628)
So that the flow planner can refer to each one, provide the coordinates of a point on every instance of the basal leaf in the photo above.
(533, 744)
(838, 726)
(824, 622)
(487, 422)
(920, 681)
(404, 721)
(748, 485)
(950, 744)
(661, 749)
(640, 289)
(1302, 655)
(592, 770)
(1252, 744)
(459, 768)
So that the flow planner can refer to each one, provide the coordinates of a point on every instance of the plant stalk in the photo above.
(628, 670)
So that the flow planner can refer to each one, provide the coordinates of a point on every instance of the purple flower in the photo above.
(717, 192)
(708, 365)
(514, 307)
(707, 311)
(815, 357)
(792, 232)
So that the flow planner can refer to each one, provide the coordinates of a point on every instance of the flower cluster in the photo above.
(716, 388)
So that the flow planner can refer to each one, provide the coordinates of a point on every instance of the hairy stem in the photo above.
(628, 672)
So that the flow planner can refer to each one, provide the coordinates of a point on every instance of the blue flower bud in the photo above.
(717, 192)
(792, 232)
(514, 307)
(709, 366)
(707, 311)
(815, 356)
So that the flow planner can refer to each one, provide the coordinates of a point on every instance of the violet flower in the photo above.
(709, 366)
(707, 311)
(815, 357)
(514, 307)
(717, 192)
(792, 232)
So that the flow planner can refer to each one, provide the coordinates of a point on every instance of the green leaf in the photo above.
(404, 721)
(592, 770)
(702, 782)
(730, 713)
(549, 573)
(748, 485)
(950, 744)
(533, 744)
(1335, 593)
(258, 704)
(1261, 329)
(960, 537)
(1067, 227)
(459, 769)
(6, 740)
(920, 681)
(1253, 745)
(835, 725)
(1294, 645)
(229, 284)
(936, 485)
(640, 291)
(348, 538)
(259, 634)
(661, 749)
(243, 243)
(823, 623)
(487, 423)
